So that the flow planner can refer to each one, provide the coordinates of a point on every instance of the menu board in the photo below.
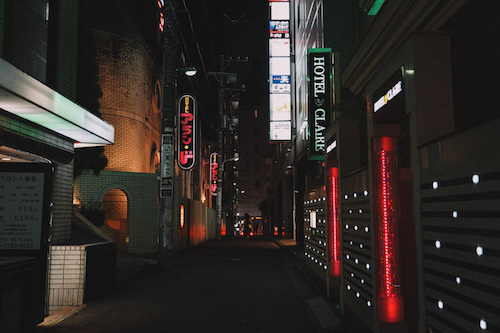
(21, 210)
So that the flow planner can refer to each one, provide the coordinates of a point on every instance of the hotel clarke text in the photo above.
(319, 93)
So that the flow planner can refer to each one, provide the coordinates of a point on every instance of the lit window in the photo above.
(479, 251)
(475, 179)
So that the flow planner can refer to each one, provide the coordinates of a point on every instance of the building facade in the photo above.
(130, 60)
(398, 214)
(130, 81)
(41, 126)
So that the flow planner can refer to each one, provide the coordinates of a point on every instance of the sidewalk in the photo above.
(320, 305)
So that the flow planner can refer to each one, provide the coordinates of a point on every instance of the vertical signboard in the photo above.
(280, 120)
(24, 208)
(166, 165)
(214, 173)
(186, 132)
(320, 99)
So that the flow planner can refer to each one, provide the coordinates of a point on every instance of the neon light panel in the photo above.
(385, 183)
(334, 220)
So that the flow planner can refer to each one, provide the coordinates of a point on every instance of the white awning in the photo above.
(32, 100)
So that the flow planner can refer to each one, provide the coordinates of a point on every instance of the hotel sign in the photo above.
(186, 132)
(389, 99)
(214, 173)
(389, 95)
(320, 100)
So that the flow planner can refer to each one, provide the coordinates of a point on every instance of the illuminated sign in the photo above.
(186, 132)
(280, 131)
(280, 84)
(391, 93)
(161, 19)
(312, 219)
(320, 99)
(389, 99)
(280, 126)
(279, 47)
(280, 10)
(331, 147)
(214, 173)
(280, 107)
(279, 29)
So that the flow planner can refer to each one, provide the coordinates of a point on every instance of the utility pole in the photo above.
(167, 159)
(220, 143)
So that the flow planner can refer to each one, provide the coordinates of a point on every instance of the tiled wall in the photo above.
(141, 190)
(66, 277)
(78, 273)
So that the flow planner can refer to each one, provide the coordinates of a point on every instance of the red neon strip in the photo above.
(334, 220)
(385, 171)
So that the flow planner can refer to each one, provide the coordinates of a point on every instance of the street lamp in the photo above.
(190, 71)
(219, 195)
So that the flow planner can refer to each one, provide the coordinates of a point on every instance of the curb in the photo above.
(59, 316)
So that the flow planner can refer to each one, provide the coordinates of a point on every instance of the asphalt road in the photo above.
(233, 285)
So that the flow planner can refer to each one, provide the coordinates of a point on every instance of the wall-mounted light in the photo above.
(190, 71)
(181, 215)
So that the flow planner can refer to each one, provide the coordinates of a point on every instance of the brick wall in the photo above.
(127, 80)
(141, 190)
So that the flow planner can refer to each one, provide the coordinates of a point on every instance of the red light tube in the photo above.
(390, 300)
(334, 221)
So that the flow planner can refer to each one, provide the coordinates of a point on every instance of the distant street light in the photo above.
(219, 195)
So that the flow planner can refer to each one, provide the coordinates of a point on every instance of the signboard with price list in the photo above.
(24, 207)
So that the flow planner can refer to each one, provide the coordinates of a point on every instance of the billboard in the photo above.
(280, 119)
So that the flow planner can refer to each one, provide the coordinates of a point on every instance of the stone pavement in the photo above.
(235, 285)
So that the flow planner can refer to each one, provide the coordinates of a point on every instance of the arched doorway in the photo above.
(115, 205)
